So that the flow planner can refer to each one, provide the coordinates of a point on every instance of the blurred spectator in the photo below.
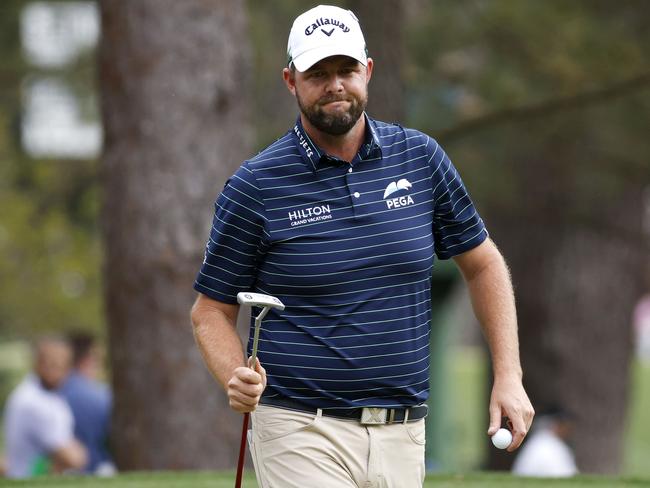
(39, 433)
(546, 452)
(90, 401)
(641, 322)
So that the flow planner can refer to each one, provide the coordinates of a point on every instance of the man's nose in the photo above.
(334, 84)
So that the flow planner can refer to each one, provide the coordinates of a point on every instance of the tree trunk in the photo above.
(383, 24)
(174, 77)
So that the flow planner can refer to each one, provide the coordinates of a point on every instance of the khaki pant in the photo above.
(296, 449)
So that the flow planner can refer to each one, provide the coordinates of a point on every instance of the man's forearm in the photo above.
(216, 335)
(490, 288)
(494, 305)
(492, 296)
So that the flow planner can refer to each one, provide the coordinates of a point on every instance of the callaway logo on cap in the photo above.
(325, 31)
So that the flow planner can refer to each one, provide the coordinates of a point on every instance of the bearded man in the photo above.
(341, 219)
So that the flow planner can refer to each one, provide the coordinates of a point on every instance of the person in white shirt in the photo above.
(39, 425)
(546, 452)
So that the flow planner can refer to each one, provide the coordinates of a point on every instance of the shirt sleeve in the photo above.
(53, 425)
(457, 226)
(236, 240)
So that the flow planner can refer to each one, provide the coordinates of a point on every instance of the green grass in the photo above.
(468, 410)
(227, 480)
(637, 441)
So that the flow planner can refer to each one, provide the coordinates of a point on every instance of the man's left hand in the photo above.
(509, 400)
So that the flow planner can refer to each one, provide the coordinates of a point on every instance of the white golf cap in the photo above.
(325, 31)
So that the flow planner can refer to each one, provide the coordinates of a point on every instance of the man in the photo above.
(546, 452)
(91, 402)
(341, 219)
(38, 423)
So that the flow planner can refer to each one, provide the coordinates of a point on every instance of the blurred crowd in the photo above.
(57, 419)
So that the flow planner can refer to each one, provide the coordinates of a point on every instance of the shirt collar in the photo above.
(314, 156)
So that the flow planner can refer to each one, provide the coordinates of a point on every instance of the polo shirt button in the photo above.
(350, 170)
(357, 194)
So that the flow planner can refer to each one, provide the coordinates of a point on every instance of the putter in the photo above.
(267, 302)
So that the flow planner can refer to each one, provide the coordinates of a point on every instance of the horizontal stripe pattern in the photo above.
(349, 249)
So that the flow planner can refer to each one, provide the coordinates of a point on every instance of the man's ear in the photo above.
(289, 80)
(369, 66)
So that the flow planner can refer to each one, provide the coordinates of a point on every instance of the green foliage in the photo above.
(476, 59)
(49, 237)
(50, 246)
(508, 53)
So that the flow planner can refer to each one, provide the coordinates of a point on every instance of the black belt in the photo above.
(364, 415)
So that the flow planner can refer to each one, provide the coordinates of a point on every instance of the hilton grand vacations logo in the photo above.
(310, 215)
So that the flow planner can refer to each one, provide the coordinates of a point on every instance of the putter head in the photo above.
(259, 300)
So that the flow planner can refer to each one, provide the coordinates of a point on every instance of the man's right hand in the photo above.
(245, 387)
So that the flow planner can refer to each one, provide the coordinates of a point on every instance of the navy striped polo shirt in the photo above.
(349, 250)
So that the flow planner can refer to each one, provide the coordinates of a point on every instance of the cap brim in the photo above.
(306, 60)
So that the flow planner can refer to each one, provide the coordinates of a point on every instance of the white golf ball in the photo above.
(502, 438)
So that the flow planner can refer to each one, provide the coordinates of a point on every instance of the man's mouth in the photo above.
(335, 103)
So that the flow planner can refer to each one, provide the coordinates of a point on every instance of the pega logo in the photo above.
(401, 201)
(402, 184)
(321, 22)
(309, 215)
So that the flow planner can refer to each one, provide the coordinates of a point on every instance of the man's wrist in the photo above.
(508, 374)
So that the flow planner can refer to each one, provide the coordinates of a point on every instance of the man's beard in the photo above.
(337, 123)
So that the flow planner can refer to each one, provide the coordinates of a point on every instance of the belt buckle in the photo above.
(373, 415)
